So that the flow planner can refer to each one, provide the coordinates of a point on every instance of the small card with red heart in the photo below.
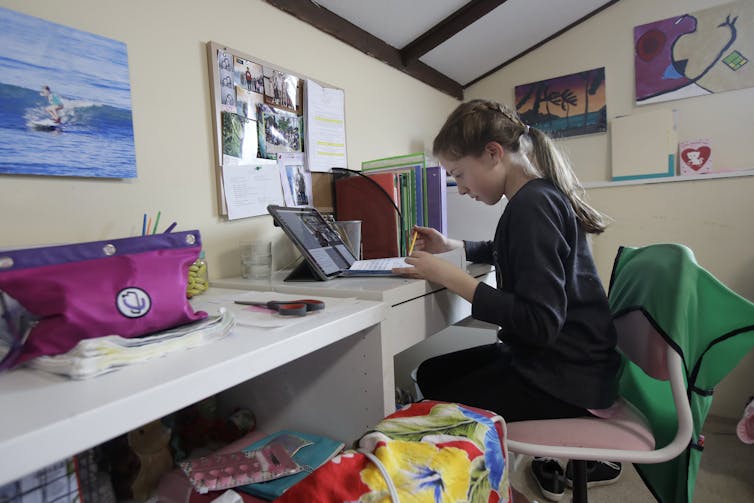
(695, 157)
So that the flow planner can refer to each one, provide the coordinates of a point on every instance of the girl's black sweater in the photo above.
(549, 303)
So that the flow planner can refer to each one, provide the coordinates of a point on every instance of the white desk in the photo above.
(416, 309)
(293, 377)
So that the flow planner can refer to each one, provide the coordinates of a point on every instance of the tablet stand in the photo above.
(302, 272)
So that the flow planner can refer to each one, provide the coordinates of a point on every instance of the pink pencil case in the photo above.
(225, 471)
(63, 294)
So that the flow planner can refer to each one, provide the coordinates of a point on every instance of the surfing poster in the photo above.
(65, 101)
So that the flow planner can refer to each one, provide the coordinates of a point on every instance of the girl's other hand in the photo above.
(432, 241)
(435, 269)
(425, 266)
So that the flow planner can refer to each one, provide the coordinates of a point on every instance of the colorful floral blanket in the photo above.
(431, 452)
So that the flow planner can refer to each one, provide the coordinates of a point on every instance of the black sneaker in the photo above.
(598, 473)
(549, 476)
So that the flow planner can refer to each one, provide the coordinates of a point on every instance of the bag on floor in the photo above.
(427, 451)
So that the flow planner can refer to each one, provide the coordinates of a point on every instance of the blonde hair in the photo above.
(475, 123)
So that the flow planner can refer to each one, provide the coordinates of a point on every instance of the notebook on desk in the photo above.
(325, 254)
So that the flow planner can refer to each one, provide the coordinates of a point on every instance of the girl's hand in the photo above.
(437, 270)
(425, 266)
(432, 241)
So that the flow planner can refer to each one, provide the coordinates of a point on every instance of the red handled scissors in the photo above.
(298, 307)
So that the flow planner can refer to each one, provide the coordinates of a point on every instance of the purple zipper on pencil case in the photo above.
(128, 287)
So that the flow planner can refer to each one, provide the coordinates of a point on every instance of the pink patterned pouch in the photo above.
(53, 297)
(217, 472)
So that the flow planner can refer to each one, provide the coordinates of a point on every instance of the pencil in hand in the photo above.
(413, 242)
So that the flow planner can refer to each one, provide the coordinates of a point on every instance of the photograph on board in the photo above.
(278, 131)
(239, 136)
(249, 75)
(65, 101)
(224, 61)
(282, 90)
(295, 179)
(227, 85)
(247, 101)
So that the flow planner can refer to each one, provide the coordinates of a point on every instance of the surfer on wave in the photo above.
(56, 104)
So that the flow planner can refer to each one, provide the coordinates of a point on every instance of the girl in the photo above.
(55, 103)
(556, 354)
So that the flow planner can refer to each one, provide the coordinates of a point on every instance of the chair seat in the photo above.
(626, 428)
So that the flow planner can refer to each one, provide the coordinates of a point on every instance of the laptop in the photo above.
(326, 255)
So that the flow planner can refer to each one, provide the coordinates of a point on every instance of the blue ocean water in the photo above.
(92, 140)
(595, 122)
(90, 75)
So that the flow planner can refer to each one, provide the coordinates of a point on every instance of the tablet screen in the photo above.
(315, 238)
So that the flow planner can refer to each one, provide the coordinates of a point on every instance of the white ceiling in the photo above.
(501, 35)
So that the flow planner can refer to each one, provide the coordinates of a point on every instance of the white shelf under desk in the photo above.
(416, 309)
(46, 418)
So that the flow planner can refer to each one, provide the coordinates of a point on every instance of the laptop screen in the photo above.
(320, 244)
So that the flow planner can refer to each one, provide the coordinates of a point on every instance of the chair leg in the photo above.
(579, 481)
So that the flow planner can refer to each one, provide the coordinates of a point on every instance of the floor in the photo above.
(726, 474)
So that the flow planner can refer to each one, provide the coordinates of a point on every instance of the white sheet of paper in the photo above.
(250, 188)
(379, 264)
(325, 127)
(455, 257)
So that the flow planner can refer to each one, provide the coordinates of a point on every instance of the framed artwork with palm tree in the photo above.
(569, 105)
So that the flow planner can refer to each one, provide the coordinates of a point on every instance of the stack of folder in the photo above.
(401, 192)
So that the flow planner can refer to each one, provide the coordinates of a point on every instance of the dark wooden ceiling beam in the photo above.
(540, 44)
(347, 32)
(445, 29)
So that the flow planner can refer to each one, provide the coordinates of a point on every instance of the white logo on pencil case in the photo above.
(133, 302)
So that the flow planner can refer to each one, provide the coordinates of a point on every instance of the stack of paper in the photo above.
(93, 357)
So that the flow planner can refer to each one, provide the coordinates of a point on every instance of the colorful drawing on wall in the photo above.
(703, 52)
(65, 101)
(564, 106)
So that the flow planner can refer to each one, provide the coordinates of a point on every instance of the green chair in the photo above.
(705, 322)
(680, 332)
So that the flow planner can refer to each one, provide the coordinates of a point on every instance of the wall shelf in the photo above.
(684, 178)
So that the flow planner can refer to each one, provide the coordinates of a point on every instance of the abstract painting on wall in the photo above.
(694, 54)
(564, 106)
(65, 101)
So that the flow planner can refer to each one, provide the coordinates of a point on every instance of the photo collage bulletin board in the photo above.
(262, 129)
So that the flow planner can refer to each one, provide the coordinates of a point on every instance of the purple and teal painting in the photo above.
(65, 101)
(703, 52)
(564, 106)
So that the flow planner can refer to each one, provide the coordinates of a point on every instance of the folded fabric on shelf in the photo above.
(93, 357)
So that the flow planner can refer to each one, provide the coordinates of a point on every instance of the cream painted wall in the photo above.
(387, 113)
(713, 217)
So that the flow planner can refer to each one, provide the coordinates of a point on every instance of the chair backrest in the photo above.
(709, 329)
(649, 286)
(640, 341)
